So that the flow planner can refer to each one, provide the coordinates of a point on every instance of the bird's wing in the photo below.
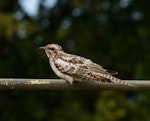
(92, 66)
(76, 68)
(73, 61)
(99, 69)
(80, 67)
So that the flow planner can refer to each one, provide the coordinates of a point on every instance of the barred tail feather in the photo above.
(116, 80)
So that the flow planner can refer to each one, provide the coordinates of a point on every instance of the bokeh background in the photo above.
(113, 33)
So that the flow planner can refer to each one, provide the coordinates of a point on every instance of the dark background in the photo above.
(114, 34)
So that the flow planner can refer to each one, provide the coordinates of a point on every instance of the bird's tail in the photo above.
(116, 80)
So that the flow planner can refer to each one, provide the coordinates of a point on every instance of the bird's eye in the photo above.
(51, 48)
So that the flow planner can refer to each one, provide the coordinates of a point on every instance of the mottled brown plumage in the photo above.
(69, 66)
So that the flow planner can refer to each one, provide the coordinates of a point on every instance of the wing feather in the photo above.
(90, 64)
(80, 67)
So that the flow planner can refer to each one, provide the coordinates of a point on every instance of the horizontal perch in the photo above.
(59, 84)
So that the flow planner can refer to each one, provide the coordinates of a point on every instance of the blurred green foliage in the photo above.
(115, 34)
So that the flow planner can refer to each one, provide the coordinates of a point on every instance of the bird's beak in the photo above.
(43, 47)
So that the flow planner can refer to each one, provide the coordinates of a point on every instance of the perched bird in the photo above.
(70, 67)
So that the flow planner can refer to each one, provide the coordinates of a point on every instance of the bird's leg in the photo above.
(68, 79)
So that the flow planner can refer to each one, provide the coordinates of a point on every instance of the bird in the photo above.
(70, 67)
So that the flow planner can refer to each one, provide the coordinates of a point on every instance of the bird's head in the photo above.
(52, 50)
